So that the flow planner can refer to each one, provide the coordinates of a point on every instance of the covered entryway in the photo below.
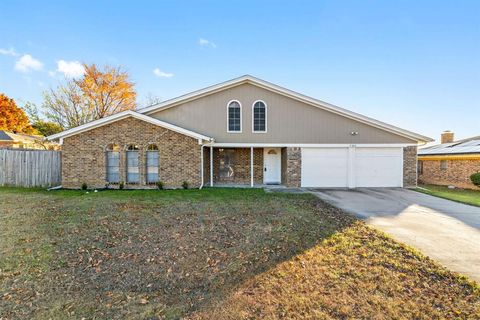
(352, 166)
(244, 165)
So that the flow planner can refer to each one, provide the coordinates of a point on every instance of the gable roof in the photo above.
(4, 136)
(123, 115)
(10, 136)
(285, 92)
(464, 146)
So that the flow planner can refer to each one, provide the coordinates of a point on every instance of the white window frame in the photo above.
(108, 166)
(136, 148)
(266, 117)
(147, 150)
(112, 147)
(228, 116)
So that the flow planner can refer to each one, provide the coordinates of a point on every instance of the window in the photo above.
(420, 167)
(443, 164)
(113, 163)
(133, 175)
(152, 163)
(225, 170)
(234, 116)
(259, 117)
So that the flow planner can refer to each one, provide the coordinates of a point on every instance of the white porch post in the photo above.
(251, 166)
(211, 166)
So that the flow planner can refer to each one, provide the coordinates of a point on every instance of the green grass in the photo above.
(471, 197)
(212, 253)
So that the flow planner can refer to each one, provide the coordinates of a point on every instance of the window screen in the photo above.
(152, 164)
(259, 116)
(234, 117)
(133, 175)
(227, 163)
(113, 166)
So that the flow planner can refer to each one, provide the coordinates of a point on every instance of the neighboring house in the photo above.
(451, 162)
(245, 131)
(10, 140)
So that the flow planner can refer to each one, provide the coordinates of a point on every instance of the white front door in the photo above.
(272, 160)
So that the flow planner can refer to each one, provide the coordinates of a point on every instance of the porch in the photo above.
(244, 166)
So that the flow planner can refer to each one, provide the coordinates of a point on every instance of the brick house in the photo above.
(450, 162)
(245, 131)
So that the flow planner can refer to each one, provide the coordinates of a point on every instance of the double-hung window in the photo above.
(113, 163)
(259, 119)
(234, 116)
(152, 163)
(133, 174)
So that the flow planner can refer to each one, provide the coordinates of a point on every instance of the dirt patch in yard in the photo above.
(207, 254)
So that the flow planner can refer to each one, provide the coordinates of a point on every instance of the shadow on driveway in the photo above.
(447, 231)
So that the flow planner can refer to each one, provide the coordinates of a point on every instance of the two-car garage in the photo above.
(352, 166)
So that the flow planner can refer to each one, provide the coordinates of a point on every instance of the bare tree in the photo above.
(65, 106)
(150, 100)
(96, 95)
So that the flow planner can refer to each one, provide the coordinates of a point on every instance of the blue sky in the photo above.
(414, 64)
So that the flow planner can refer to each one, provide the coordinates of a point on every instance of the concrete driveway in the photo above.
(446, 231)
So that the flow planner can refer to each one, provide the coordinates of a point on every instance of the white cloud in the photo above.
(8, 52)
(161, 74)
(70, 69)
(27, 63)
(206, 43)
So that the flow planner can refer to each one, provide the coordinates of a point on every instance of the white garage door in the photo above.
(365, 167)
(324, 167)
(378, 167)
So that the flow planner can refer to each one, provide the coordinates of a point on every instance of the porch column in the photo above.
(211, 166)
(251, 166)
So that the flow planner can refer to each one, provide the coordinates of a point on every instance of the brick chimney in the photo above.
(446, 136)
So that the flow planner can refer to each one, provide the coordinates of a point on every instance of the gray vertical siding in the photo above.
(288, 120)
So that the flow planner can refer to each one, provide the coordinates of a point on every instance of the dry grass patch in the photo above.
(214, 253)
(356, 273)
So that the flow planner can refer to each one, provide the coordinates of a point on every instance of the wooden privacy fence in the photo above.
(30, 168)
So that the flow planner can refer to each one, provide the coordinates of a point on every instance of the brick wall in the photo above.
(291, 167)
(84, 160)
(457, 172)
(410, 166)
(241, 166)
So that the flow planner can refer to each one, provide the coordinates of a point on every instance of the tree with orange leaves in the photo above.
(97, 94)
(107, 92)
(13, 118)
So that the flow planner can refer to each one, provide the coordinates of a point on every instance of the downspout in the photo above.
(201, 168)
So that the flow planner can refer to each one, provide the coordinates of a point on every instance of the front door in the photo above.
(272, 165)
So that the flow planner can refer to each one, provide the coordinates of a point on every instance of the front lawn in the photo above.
(209, 254)
(471, 197)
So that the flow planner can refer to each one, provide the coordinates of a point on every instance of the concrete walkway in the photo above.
(446, 231)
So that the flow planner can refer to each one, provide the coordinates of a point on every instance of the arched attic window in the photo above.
(234, 117)
(259, 118)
